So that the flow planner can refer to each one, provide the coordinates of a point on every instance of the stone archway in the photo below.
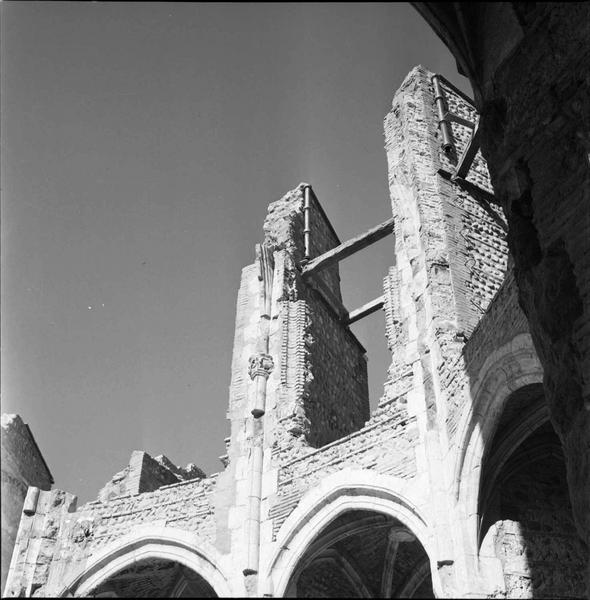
(186, 564)
(526, 519)
(335, 529)
(363, 554)
(510, 367)
(154, 578)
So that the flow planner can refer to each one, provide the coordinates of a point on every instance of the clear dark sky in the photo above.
(141, 145)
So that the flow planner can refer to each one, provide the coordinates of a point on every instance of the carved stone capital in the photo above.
(261, 364)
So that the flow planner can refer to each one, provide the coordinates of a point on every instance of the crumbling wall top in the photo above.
(147, 474)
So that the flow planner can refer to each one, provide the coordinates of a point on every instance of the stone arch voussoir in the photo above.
(150, 542)
(509, 368)
(338, 493)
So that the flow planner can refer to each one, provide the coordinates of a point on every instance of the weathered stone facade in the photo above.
(426, 496)
(22, 466)
(529, 66)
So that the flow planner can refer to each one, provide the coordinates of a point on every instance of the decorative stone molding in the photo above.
(145, 543)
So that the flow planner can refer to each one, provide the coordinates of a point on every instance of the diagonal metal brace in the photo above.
(468, 155)
(348, 248)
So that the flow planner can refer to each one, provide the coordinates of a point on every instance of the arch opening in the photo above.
(362, 554)
(154, 578)
(525, 513)
(154, 549)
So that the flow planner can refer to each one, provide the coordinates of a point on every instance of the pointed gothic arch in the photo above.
(147, 543)
(511, 367)
(344, 492)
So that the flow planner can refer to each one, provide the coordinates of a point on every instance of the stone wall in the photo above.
(185, 505)
(324, 388)
(449, 235)
(529, 65)
(284, 230)
(502, 322)
(68, 537)
(337, 397)
(146, 474)
(533, 533)
(385, 445)
(300, 422)
(22, 466)
(475, 227)
(537, 119)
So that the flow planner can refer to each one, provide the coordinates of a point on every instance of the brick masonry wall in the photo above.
(475, 229)
(501, 323)
(420, 300)
(322, 238)
(461, 237)
(385, 445)
(324, 390)
(336, 401)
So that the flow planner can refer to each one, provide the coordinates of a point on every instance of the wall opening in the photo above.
(363, 554)
(362, 281)
(154, 578)
(349, 353)
(526, 515)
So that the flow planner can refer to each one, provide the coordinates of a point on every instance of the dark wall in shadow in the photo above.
(527, 514)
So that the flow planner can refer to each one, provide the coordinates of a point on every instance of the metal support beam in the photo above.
(365, 310)
(348, 248)
(484, 197)
(441, 109)
(449, 116)
(468, 155)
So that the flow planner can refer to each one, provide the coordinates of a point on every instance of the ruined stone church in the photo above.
(454, 486)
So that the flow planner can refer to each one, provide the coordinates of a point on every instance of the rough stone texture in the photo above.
(70, 536)
(317, 496)
(533, 92)
(454, 248)
(385, 445)
(146, 474)
(535, 137)
(104, 521)
(328, 395)
(534, 534)
(22, 466)
(355, 565)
